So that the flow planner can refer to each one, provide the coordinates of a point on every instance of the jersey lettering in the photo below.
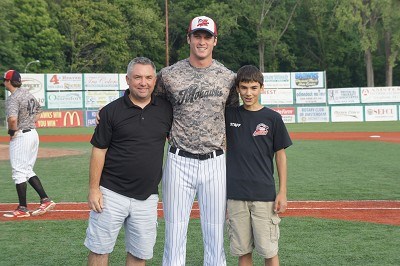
(31, 106)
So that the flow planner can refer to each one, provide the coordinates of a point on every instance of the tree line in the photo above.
(357, 42)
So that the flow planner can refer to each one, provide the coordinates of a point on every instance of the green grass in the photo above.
(384, 126)
(318, 170)
(304, 241)
(339, 170)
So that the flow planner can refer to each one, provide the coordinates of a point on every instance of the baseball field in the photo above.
(343, 187)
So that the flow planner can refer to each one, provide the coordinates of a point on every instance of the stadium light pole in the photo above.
(32, 62)
(166, 35)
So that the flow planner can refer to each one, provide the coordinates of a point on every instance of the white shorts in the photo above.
(139, 218)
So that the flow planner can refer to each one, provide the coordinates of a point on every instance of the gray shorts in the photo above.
(252, 224)
(139, 218)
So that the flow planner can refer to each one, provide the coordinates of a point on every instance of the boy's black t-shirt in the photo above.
(253, 137)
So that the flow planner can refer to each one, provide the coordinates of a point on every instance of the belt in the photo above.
(26, 130)
(196, 156)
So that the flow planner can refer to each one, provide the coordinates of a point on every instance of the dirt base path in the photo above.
(380, 212)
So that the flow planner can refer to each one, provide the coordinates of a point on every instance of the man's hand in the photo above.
(98, 116)
(13, 136)
(280, 203)
(95, 200)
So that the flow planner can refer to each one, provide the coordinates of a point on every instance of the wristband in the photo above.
(11, 132)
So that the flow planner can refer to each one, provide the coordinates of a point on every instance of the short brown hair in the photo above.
(249, 73)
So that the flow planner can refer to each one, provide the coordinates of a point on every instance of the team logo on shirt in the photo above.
(261, 130)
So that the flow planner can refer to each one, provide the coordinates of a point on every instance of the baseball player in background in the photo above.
(199, 88)
(22, 111)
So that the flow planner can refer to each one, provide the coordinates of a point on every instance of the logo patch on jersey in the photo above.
(234, 124)
(261, 130)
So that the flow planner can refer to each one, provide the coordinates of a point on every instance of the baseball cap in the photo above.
(203, 23)
(12, 75)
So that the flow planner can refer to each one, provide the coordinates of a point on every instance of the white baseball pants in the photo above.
(182, 179)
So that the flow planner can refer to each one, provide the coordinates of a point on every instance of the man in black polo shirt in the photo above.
(126, 168)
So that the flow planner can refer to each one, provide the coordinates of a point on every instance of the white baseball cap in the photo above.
(203, 23)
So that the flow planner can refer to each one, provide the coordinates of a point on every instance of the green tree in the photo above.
(391, 32)
(146, 26)
(10, 57)
(363, 16)
(270, 19)
(37, 38)
(316, 43)
(96, 35)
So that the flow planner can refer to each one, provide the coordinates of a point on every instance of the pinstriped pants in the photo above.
(183, 178)
(23, 153)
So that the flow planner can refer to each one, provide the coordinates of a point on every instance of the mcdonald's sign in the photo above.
(72, 119)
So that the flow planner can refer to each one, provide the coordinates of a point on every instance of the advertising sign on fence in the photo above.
(276, 80)
(288, 114)
(343, 96)
(70, 118)
(307, 80)
(64, 99)
(101, 82)
(96, 99)
(63, 82)
(122, 82)
(347, 114)
(91, 118)
(380, 94)
(277, 97)
(305, 96)
(312, 114)
(35, 84)
(380, 113)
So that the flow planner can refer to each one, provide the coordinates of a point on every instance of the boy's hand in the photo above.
(280, 203)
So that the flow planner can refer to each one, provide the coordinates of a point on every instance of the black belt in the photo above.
(196, 156)
(26, 130)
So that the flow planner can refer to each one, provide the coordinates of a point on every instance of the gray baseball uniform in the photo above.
(24, 146)
(195, 162)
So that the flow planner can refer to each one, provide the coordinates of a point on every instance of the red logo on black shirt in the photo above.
(261, 130)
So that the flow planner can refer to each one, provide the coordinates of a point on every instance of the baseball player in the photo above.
(198, 88)
(23, 110)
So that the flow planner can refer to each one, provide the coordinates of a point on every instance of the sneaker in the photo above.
(45, 206)
(18, 213)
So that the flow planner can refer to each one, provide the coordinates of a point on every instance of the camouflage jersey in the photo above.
(24, 105)
(198, 97)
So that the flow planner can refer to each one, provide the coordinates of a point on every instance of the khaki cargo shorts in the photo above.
(252, 225)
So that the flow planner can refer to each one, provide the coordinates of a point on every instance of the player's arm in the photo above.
(95, 197)
(159, 88)
(12, 122)
(38, 110)
(233, 97)
(281, 197)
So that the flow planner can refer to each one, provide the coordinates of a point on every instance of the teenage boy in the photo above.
(255, 134)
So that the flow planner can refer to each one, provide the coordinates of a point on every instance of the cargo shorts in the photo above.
(252, 225)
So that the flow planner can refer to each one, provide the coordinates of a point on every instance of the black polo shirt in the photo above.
(135, 139)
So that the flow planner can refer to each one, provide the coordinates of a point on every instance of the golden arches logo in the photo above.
(72, 117)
